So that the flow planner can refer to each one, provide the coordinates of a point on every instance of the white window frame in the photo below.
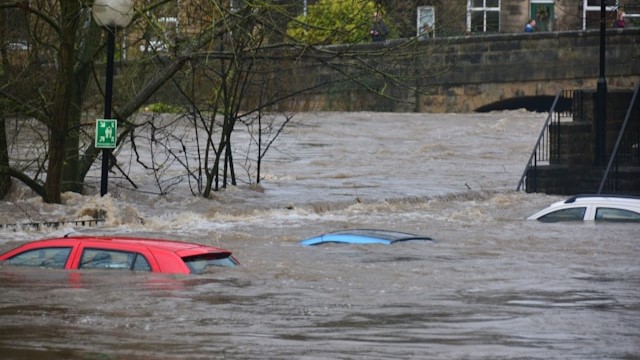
(484, 9)
(426, 16)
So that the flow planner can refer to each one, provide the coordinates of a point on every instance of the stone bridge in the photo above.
(502, 71)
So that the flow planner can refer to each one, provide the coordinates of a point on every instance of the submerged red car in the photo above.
(120, 253)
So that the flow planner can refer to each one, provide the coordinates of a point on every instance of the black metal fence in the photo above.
(548, 145)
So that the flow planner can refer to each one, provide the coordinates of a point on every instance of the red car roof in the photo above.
(157, 247)
(181, 248)
(158, 243)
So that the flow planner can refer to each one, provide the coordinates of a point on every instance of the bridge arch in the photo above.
(536, 103)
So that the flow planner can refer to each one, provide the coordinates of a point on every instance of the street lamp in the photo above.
(110, 14)
(601, 96)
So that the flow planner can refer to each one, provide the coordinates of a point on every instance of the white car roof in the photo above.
(603, 199)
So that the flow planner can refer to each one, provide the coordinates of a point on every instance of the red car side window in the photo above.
(113, 260)
(54, 257)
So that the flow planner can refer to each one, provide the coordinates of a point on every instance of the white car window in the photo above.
(610, 214)
(571, 214)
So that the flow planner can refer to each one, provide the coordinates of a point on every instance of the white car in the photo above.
(592, 207)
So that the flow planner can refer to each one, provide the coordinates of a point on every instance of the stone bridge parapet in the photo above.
(482, 70)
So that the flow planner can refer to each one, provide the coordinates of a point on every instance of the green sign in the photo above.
(106, 130)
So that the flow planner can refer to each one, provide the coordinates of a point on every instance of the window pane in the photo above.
(493, 3)
(477, 21)
(17, 28)
(201, 263)
(608, 214)
(54, 258)
(478, 3)
(493, 21)
(141, 264)
(573, 214)
(106, 259)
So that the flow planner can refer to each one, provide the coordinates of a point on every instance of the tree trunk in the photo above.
(62, 107)
(5, 180)
(72, 172)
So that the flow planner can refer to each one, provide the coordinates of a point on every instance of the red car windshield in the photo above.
(199, 264)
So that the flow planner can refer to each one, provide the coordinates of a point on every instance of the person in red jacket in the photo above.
(619, 22)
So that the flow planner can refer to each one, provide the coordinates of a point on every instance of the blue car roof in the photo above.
(363, 236)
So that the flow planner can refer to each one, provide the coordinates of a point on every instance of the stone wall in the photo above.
(455, 74)
(480, 70)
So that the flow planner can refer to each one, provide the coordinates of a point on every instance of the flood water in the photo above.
(492, 285)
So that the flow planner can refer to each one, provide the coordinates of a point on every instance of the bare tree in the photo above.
(240, 56)
(51, 81)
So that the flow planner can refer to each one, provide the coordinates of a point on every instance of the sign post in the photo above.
(106, 135)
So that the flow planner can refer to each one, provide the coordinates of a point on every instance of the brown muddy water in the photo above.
(492, 285)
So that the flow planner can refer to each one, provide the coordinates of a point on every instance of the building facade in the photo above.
(509, 16)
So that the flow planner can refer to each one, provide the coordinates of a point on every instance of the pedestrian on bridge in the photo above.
(619, 22)
(530, 26)
(379, 29)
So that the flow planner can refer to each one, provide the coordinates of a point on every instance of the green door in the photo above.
(543, 14)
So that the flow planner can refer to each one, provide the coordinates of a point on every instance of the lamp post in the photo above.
(110, 14)
(601, 96)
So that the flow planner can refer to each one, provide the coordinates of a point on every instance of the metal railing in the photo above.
(626, 150)
(547, 147)
(50, 224)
